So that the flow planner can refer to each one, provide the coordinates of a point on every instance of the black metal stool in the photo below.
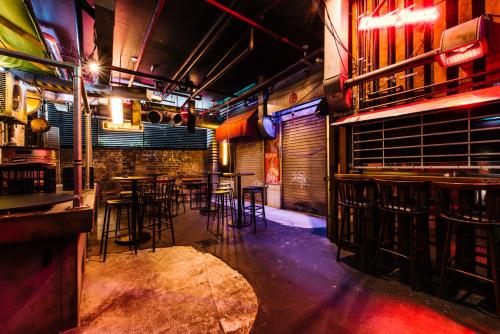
(468, 209)
(359, 195)
(179, 197)
(406, 202)
(156, 200)
(255, 208)
(118, 204)
(196, 192)
(224, 208)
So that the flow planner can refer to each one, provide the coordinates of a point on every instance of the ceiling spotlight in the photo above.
(94, 67)
(134, 59)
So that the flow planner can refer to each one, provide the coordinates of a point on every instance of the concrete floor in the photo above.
(302, 289)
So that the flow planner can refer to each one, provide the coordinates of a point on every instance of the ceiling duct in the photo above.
(157, 116)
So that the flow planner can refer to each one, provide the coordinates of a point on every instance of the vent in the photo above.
(3, 91)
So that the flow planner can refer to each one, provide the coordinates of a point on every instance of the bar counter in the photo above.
(423, 177)
(41, 264)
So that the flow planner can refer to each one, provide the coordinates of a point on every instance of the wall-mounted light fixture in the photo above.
(225, 153)
(116, 106)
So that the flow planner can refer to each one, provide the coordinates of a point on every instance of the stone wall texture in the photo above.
(122, 162)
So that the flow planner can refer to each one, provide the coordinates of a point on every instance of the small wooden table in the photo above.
(239, 197)
(136, 224)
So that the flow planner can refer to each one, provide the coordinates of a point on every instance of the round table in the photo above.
(136, 224)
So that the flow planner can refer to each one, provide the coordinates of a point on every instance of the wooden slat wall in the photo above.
(452, 12)
(304, 164)
(250, 158)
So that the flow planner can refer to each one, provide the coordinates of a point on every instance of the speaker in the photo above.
(191, 121)
(68, 178)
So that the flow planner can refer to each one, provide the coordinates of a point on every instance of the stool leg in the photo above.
(130, 239)
(106, 235)
(209, 212)
(103, 228)
(494, 269)
(383, 224)
(412, 252)
(118, 220)
(342, 223)
(253, 213)
(444, 260)
(365, 243)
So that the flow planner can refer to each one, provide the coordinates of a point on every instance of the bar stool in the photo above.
(118, 204)
(360, 195)
(157, 207)
(468, 209)
(224, 208)
(195, 194)
(228, 187)
(179, 197)
(255, 208)
(406, 201)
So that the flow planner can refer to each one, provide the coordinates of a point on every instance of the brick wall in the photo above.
(120, 162)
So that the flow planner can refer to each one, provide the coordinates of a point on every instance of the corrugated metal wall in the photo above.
(304, 164)
(250, 158)
(159, 136)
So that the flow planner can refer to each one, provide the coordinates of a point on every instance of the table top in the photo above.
(238, 174)
(435, 178)
(132, 178)
(32, 201)
(210, 173)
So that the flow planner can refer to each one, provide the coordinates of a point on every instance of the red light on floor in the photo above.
(399, 18)
(463, 54)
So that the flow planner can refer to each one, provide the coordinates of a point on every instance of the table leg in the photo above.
(239, 199)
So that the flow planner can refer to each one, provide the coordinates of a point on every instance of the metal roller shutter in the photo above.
(304, 164)
(250, 158)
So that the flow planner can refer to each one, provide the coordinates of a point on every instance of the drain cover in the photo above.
(207, 243)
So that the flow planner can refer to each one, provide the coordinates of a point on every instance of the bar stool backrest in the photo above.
(403, 197)
(474, 203)
(356, 192)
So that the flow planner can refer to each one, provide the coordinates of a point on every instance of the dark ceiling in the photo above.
(182, 24)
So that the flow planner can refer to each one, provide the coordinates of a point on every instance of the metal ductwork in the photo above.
(158, 116)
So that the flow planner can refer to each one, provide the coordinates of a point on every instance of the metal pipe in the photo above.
(39, 60)
(88, 136)
(255, 24)
(79, 29)
(422, 59)
(226, 68)
(216, 66)
(77, 136)
(196, 49)
(156, 77)
(271, 80)
(156, 14)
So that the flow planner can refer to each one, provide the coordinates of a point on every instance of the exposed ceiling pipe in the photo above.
(422, 59)
(271, 80)
(226, 68)
(255, 24)
(156, 15)
(200, 44)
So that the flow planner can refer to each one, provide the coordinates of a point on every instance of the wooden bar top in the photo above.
(43, 223)
(421, 177)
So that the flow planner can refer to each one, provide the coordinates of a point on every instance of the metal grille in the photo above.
(463, 138)
(3, 91)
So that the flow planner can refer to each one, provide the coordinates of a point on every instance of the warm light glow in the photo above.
(399, 18)
(463, 54)
(94, 67)
(225, 153)
(116, 110)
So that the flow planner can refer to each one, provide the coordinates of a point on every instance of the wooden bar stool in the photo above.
(474, 209)
(406, 202)
(118, 204)
(255, 209)
(360, 196)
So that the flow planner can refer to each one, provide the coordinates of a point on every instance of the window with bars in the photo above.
(451, 139)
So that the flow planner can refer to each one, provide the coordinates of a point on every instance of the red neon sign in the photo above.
(399, 18)
(463, 54)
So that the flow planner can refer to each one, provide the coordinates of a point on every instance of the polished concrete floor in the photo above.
(302, 289)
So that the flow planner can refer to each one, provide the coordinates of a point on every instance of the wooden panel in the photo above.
(250, 158)
(304, 164)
